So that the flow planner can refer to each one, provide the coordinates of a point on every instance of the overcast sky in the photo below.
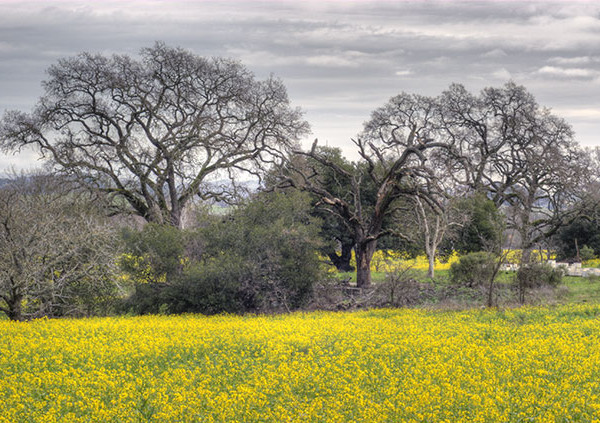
(338, 59)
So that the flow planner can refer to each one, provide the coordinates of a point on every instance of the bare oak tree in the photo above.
(504, 144)
(544, 198)
(157, 131)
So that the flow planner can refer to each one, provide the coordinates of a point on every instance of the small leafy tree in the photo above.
(583, 230)
(586, 253)
(473, 269)
(481, 226)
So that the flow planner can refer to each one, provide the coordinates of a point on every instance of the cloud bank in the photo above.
(339, 60)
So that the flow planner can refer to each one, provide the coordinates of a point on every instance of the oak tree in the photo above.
(158, 130)
(393, 150)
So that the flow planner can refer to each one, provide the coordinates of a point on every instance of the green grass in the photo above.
(441, 276)
(582, 290)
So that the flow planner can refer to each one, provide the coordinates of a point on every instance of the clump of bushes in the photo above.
(536, 275)
(260, 257)
(473, 269)
(401, 289)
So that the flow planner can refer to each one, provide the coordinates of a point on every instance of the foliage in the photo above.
(153, 254)
(481, 229)
(376, 366)
(333, 229)
(587, 253)
(216, 285)
(259, 257)
(473, 269)
(276, 238)
(536, 275)
(539, 274)
(585, 231)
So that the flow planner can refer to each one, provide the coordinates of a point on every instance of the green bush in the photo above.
(153, 254)
(212, 286)
(536, 275)
(473, 269)
(260, 257)
(587, 253)
(482, 229)
(147, 298)
(274, 240)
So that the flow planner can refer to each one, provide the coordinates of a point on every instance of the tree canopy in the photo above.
(158, 130)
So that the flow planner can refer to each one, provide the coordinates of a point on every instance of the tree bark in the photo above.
(431, 259)
(342, 261)
(15, 307)
(364, 255)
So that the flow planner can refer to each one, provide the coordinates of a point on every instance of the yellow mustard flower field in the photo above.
(392, 261)
(522, 365)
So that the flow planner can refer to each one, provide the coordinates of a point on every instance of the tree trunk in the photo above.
(15, 307)
(526, 252)
(526, 256)
(490, 298)
(491, 284)
(364, 255)
(431, 270)
(175, 218)
(342, 261)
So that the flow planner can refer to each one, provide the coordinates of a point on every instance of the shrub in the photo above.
(212, 286)
(401, 289)
(147, 298)
(536, 275)
(153, 254)
(260, 257)
(473, 269)
(274, 240)
(586, 253)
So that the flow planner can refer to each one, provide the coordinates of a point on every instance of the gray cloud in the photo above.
(568, 73)
(339, 60)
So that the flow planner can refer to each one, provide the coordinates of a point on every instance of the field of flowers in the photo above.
(391, 261)
(525, 365)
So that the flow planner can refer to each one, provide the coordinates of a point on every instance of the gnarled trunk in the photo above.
(342, 261)
(14, 304)
(364, 255)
